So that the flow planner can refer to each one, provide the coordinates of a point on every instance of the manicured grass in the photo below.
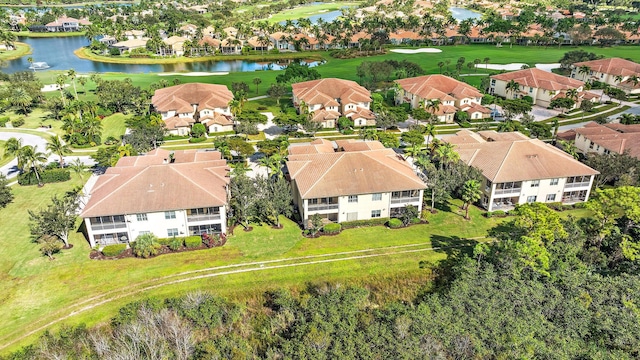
(114, 125)
(21, 50)
(305, 11)
(35, 120)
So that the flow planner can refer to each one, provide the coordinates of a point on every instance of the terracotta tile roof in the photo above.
(358, 145)
(404, 34)
(473, 108)
(318, 146)
(175, 122)
(217, 118)
(360, 112)
(519, 160)
(541, 79)
(440, 87)
(324, 91)
(351, 173)
(64, 19)
(616, 138)
(174, 40)
(209, 41)
(612, 66)
(207, 95)
(324, 115)
(136, 185)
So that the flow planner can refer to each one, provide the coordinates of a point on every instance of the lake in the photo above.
(462, 14)
(57, 52)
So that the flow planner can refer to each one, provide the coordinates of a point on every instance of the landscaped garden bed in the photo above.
(113, 252)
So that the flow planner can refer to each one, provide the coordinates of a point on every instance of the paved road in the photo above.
(11, 169)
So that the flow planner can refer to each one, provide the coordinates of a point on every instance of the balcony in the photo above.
(109, 226)
(203, 217)
(404, 200)
(573, 199)
(576, 185)
(320, 207)
(510, 191)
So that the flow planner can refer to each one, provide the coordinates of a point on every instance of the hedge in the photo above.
(359, 223)
(17, 122)
(193, 242)
(114, 250)
(46, 176)
(395, 223)
(3, 121)
(331, 229)
(197, 140)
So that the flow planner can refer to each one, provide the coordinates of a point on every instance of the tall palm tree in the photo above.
(470, 193)
(57, 146)
(30, 60)
(429, 130)
(33, 158)
(585, 70)
(61, 81)
(21, 98)
(572, 94)
(71, 74)
(12, 148)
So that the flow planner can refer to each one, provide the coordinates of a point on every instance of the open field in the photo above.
(36, 291)
(309, 10)
(21, 50)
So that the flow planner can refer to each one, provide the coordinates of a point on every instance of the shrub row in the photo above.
(360, 223)
(114, 250)
(46, 176)
(332, 229)
(193, 241)
(497, 213)
(197, 140)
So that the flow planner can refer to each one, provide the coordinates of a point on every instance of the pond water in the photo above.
(462, 14)
(57, 52)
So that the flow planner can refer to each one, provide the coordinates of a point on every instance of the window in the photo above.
(172, 232)
(375, 213)
(590, 145)
(551, 197)
(145, 232)
(353, 198)
(376, 197)
(141, 217)
(554, 181)
(488, 186)
(535, 183)
(169, 215)
(531, 199)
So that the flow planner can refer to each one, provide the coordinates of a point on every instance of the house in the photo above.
(282, 41)
(362, 180)
(404, 36)
(449, 94)
(64, 24)
(175, 45)
(108, 40)
(183, 105)
(168, 194)
(617, 72)
(608, 138)
(188, 30)
(518, 170)
(128, 45)
(134, 34)
(231, 46)
(328, 99)
(542, 86)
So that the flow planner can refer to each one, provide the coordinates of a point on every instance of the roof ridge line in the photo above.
(116, 189)
(194, 183)
(366, 153)
(504, 159)
(340, 156)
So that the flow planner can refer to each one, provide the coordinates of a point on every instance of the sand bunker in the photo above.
(416, 51)
(195, 73)
(517, 66)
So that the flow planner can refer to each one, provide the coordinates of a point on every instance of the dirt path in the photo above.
(134, 289)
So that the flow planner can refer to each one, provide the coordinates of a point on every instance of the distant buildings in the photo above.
(65, 24)
(357, 181)
(329, 99)
(168, 194)
(449, 94)
(608, 138)
(518, 170)
(181, 106)
(613, 71)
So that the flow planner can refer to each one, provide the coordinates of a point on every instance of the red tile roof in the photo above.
(540, 79)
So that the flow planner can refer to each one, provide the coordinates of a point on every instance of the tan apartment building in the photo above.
(608, 139)
(168, 194)
(328, 99)
(518, 170)
(181, 106)
(613, 71)
(451, 95)
(542, 86)
(360, 180)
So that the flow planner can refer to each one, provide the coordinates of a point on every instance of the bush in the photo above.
(193, 242)
(111, 140)
(395, 223)
(499, 213)
(416, 221)
(557, 206)
(488, 214)
(331, 229)
(175, 243)
(46, 176)
(114, 250)
(580, 205)
(3, 121)
(567, 207)
(197, 140)
(146, 245)
(175, 137)
(360, 223)
(17, 122)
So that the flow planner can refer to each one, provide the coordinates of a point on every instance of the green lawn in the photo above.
(114, 125)
(21, 50)
(305, 11)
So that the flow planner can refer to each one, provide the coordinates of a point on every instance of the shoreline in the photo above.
(46, 34)
(19, 52)
(84, 53)
(85, 3)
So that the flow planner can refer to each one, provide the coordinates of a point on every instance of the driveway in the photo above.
(541, 113)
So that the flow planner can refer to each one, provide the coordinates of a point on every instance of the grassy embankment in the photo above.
(305, 11)
(47, 34)
(21, 50)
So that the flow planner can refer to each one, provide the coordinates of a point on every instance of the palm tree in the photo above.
(71, 74)
(21, 98)
(429, 130)
(12, 148)
(446, 155)
(585, 70)
(78, 167)
(57, 146)
(512, 87)
(572, 94)
(486, 62)
(33, 158)
(30, 60)
(470, 193)
(441, 65)
(257, 81)
(61, 81)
